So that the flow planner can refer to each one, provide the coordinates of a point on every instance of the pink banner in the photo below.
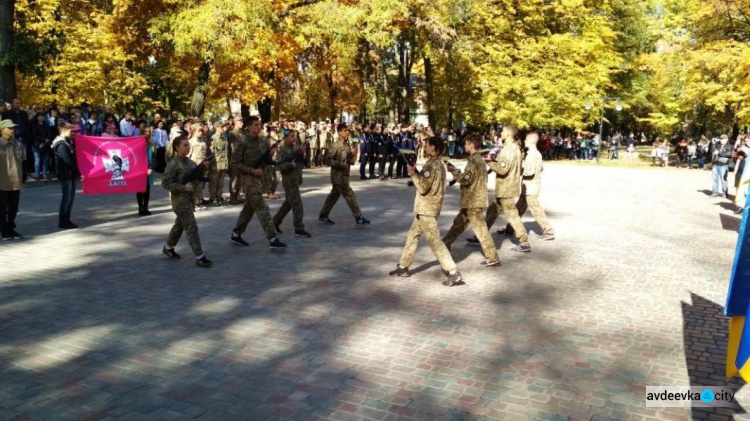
(112, 165)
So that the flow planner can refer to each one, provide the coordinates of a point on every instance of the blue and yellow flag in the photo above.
(738, 302)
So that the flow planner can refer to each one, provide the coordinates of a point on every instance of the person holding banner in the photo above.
(143, 197)
(67, 173)
(178, 177)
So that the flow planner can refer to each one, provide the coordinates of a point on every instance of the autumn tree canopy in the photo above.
(671, 63)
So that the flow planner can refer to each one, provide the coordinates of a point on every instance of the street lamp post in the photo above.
(589, 106)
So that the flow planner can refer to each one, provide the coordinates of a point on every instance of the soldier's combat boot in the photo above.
(454, 280)
(169, 252)
(400, 271)
(203, 262)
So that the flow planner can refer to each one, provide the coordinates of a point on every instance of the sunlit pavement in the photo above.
(96, 323)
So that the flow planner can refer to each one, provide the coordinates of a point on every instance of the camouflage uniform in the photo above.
(473, 183)
(234, 137)
(246, 153)
(270, 181)
(314, 150)
(532, 183)
(507, 188)
(323, 144)
(291, 173)
(197, 155)
(169, 151)
(182, 204)
(219, 166)
(430, 184)
(341, 158)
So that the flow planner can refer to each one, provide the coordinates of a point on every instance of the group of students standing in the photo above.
(381, 145)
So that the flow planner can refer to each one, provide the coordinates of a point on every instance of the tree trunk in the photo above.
(405, 51)
(332, 94)
(428, 75)
(265, 108)
(8, 69)
(198, 101)
(387, 92)
(450, 115)
(244, 111)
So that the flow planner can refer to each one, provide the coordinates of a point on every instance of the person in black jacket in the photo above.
(21, 119)
(382, 148)
(722, 155)
(394, 142)
(405, 142)
(67, 173)
(42, 142)
(372, 151)
(364, 151)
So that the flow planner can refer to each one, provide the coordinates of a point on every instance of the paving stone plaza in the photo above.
(96, 323)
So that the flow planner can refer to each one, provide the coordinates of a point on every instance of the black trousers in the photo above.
(391, 160)
(362, 162)
(9, 208)
(144, 197)
(381, 166)
(373, 159)
(401, 167)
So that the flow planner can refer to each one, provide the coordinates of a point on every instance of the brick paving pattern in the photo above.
(96, 323)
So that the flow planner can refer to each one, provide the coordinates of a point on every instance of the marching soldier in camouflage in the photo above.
(247, 159)
(508, 187)
(220, 164)
(198, 152)
(341, 159)
(181, 198)
(430, 184)
(288, 159)
(532, 184)
(270, 180)
(473, 181)
(234, 138)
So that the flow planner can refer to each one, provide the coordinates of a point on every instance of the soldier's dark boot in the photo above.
(400, 271)
(454, 279)
(203, 262)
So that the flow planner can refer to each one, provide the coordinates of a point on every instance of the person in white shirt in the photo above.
(160, 139)
(126, 126)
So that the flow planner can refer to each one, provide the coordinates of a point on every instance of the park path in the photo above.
(95, 323)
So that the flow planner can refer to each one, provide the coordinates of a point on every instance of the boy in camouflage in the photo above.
(245, 160)
(287, 162)
(341, 159)
(430, 184)
(182, 202)
(473, 182)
